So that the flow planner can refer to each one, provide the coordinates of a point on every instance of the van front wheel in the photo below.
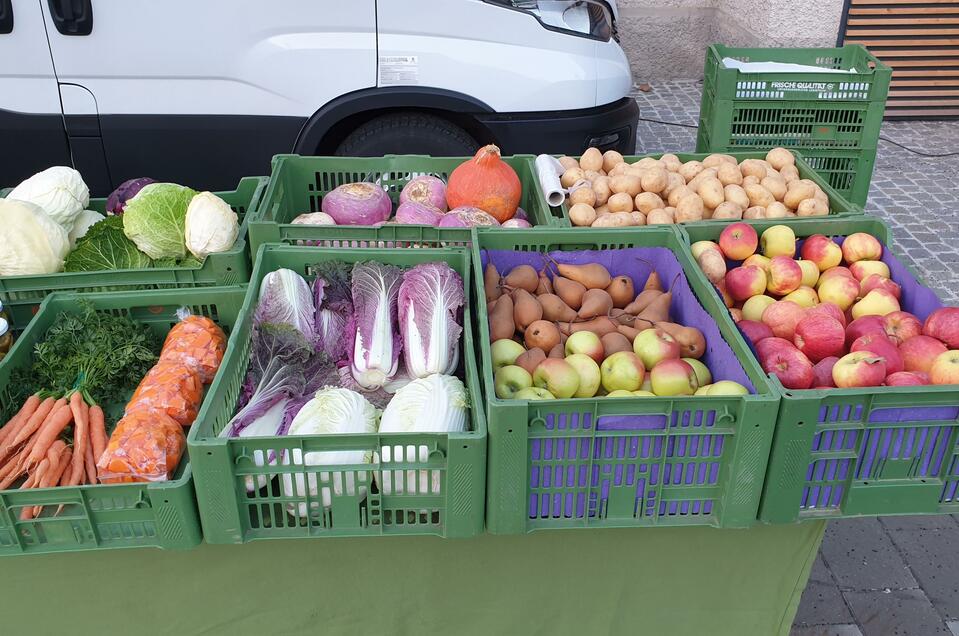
(408, 134)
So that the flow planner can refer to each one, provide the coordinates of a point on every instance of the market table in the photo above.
(661, 581)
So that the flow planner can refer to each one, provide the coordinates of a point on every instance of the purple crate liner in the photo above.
(591, 468)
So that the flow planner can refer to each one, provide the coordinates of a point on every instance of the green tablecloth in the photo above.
(663, 582)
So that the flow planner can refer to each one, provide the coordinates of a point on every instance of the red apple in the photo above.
(782, 317)
(828, 309)
(819, 336)
(901, 326)
(919, 352)
(785, 275)
(875, 281)
(754, 330)
(822, 251)
(840, 290)
(790, 365)
(832, 272)
(743, 283)
(861, 247)
(944, 324)
(905, 378)
(945, 369)
(864, 325)
(767, 346)
(859, 369)
(822, 372)
(863, 269)
(880, 344)
(738, 241)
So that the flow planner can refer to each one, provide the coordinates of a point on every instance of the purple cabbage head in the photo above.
(117, 200)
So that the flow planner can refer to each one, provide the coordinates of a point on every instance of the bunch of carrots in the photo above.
(52, 442)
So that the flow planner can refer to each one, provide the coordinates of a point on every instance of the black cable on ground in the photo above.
(886, 139)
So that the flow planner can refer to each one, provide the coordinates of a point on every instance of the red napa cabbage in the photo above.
(285, 297)
(430, 299)
(334, 308)
(374, 348)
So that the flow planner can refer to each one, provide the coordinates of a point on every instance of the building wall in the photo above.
(667, 39)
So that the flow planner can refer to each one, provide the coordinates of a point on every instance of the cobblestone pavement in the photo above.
(889, 575)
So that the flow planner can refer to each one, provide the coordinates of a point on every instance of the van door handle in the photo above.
(6, 16)
(72, 17)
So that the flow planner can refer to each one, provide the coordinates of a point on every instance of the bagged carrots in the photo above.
(197, 342)
(172, 388)
(145, 446)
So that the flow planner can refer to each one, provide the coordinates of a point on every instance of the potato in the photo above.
(749, 180)
(671, 162)
(728, 211)
(775, 185)
(708, 173)
(625, 183)
(808, 182)
(618, 170)
(592, 159)
(735, 194)
(753, 167)
(759, 195)
(690, 208)
(812, 207)
(780, 157)
(568, 162)
(776, 210)
(714, 160)
(601, 210)
(583, 194)
(581, 214)
(676, 195)
(655, 180)
(711, 191)
(729, 173)
(690, 169)
(601, 190)
(659, 217)
(611, 158)
(707, 213)
(798, 191)
(647, 163)
(571, 176)
(647, 201)
(673, 180)
(822, 196)
(638, 218)
(789, 173)
(620, 202)
(617, 219)
(713, 265)
(592, 174)
(635, 171)
(755, 212)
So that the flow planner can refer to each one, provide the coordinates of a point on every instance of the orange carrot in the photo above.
(48, 434)
(29, 427)
(32, 482)
(10, 472)
(65, 475)
(23, 414)
(60, 457)
(98, 431)
(81, 439)
(90, 465)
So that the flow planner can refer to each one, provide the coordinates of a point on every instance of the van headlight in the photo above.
(585, 18)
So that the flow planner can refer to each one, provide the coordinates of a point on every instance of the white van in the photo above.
(206, 91)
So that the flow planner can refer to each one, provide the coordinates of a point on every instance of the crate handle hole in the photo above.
(509, 430)
(799, 423)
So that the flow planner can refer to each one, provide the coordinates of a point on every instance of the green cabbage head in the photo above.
(155, 219)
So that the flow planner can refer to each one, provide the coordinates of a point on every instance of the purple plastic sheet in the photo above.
(594, 467)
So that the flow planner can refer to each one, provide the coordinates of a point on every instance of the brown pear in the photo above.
(692, 344)
(531, 359)
(629, 332)
(526, 309)
(642, 301)
(522, 277)
(545, 285)
(557, 352)
(590, 276)
(542, 334)
(653, 282)
(621, 291)
(658, 310)
(555, 309)
(501, 323)
(596, 302)
(570, 291)
(601, 325)
(491, 281)
(615, 342)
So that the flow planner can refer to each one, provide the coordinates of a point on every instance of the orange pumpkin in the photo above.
(485, 182)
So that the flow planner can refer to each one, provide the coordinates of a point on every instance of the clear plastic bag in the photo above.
(144, 446)
(197, 342)
(171, 388)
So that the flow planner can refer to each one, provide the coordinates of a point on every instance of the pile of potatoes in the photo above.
(605, 191)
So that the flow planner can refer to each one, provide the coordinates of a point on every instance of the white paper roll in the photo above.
(548, 171)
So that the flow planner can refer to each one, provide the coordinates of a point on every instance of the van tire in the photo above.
(408, 134)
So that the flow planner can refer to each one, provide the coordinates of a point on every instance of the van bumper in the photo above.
(607, 127)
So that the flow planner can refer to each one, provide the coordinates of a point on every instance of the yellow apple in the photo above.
(760, 261)
(810, 273)
(778, 240)
(878, 302)
(754, 307)
(804, 297)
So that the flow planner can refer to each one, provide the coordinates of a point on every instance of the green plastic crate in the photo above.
(855, 452)
(21, 295)
(838, 205)
(834, 119)
(108, 516)
(666, 462)
(451, 506)
(297, 185)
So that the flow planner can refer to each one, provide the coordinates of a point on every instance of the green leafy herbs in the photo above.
(103, 355)
(105, 247)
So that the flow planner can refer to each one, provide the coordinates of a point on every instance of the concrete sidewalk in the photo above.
(890, 575)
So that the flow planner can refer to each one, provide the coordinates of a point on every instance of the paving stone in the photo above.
(895, 613)
(822, 602)
(920, 522)
(953, 627)
(825, 630)
(934, 561)
(861, 556)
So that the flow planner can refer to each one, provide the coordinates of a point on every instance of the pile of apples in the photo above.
(575, 331)
(829, 317)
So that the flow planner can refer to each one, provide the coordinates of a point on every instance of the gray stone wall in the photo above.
(667, 39)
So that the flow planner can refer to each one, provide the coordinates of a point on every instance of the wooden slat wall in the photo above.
(920, 41)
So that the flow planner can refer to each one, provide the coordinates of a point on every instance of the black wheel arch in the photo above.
(331, 124)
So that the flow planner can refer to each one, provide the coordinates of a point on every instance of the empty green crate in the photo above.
(838, 205)
(864, 451)
(450, 505)
(621, 462)
(106, 516)
(298, 184)
(21, 295)
(832, 118)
